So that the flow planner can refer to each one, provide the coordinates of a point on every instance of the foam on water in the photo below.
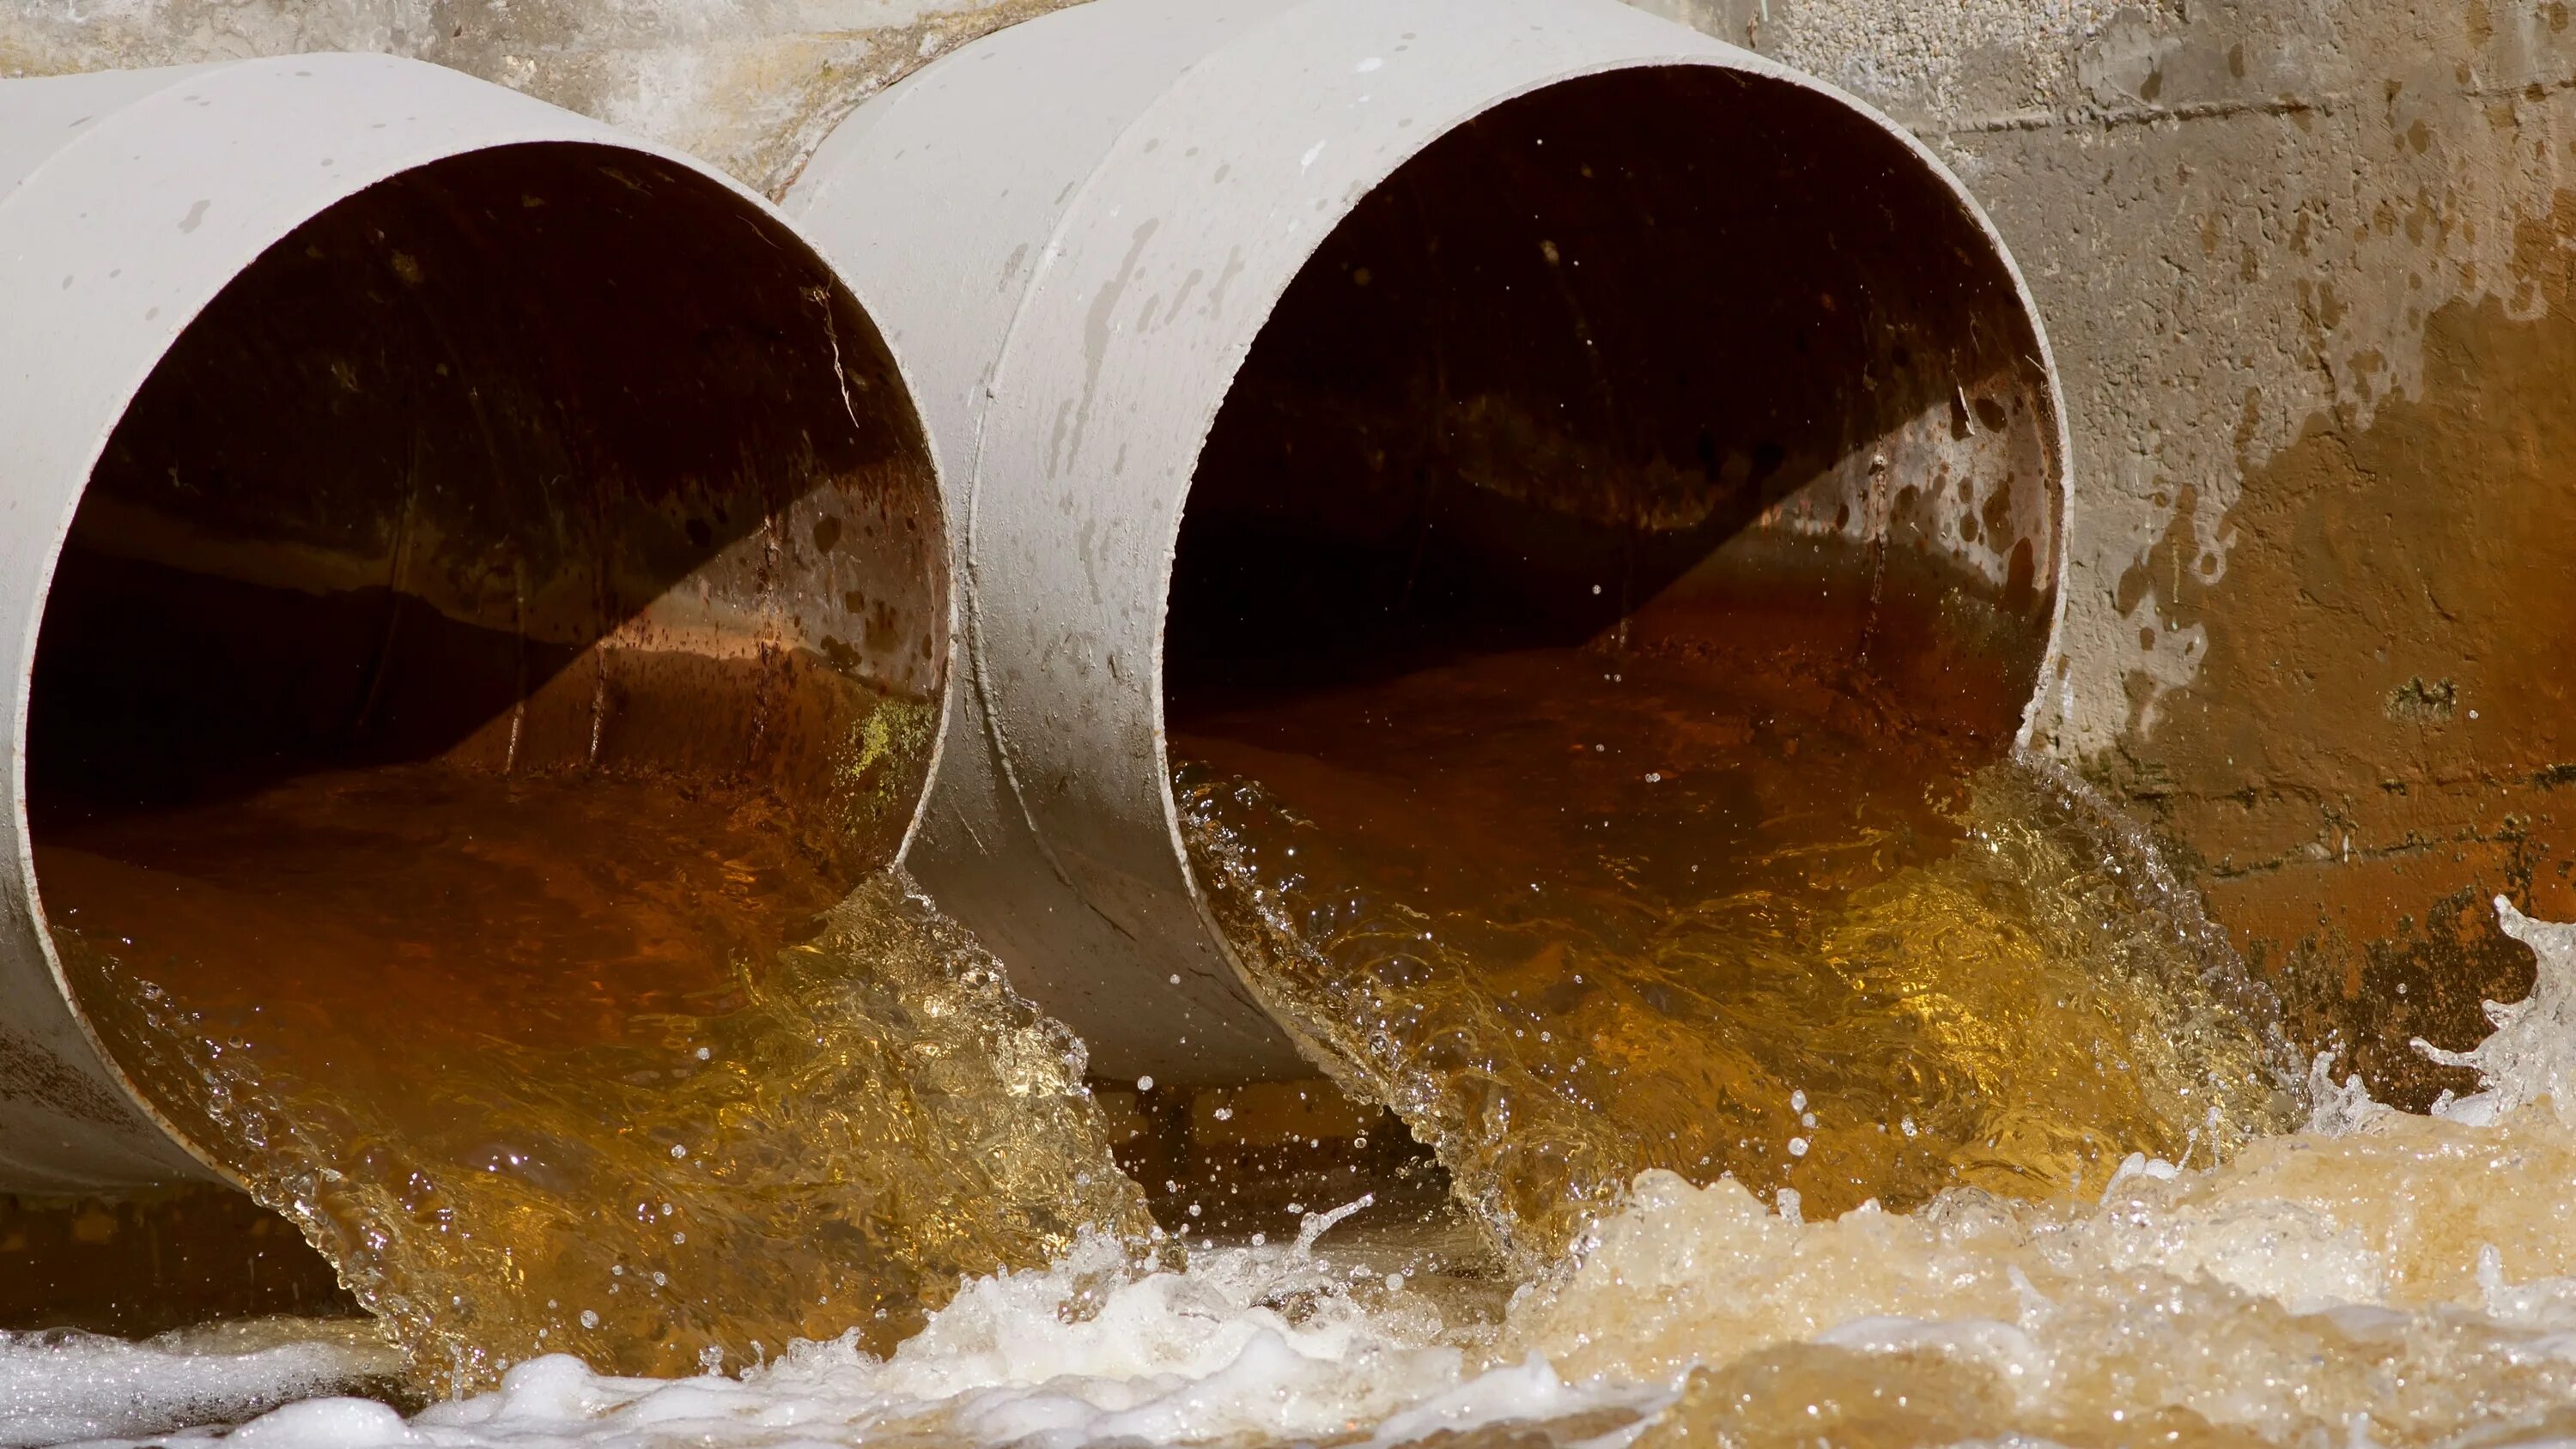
(57, 1387)
(1250, 1345)
(2379, 1278)
(2532, 1054)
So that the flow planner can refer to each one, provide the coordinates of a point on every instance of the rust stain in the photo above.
(2384, 732)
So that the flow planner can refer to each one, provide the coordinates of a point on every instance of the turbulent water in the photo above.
(1956, 1124)
(788, 1148)
(1533, 906)
(2379, 1278)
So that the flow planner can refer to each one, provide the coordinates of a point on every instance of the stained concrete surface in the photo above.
(2309, 269)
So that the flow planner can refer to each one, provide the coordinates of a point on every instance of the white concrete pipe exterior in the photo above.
(1077, 230)
(379, 331)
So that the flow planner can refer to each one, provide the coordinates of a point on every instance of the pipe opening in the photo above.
(512, 608)
(1664, 360)
(1600, 624)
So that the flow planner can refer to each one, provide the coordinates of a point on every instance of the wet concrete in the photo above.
(2382, 735)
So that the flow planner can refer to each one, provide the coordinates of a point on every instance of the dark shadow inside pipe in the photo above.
(1658, 356)
(518, 600)
(535, 459)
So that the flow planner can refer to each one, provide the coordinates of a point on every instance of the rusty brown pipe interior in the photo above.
(1573, 374)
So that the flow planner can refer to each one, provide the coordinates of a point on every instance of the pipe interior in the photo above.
(1674, 356)
(527, 576)
(1627, 541)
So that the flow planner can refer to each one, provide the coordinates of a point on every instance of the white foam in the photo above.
(2239, 1293)
(1249, 1343)
(57, 1387)
(337, 1423)
(2532, 1052)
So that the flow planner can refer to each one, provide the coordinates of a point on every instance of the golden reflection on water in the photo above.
(1575, 914)
(583, 1065)
(1980, 953)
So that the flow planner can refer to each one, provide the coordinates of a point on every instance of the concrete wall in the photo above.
(2308, 267)
(751, 85)
(2311, 272)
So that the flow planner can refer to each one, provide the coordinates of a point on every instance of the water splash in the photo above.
(879, 1116)
(2403, 1285)
(2017, 1012)
(2532, 1053)
(2381, 1278)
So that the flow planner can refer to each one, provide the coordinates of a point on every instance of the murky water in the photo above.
(1575, 915)
(1926, 1110)
(587, 1066)
(2378, 1279)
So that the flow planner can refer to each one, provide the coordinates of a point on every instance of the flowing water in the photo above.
(1577, 915)
(582, 1065)
(1926, 1110)
(2380, 1278)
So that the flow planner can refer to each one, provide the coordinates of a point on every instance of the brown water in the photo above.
(1820, 1069)
(599, 1065)
(1958, 1121)
(1577, 913)
(2372, 1278)
(2404, 1284)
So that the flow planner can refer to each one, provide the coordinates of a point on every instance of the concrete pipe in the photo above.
(1187, 286)
(358, 414)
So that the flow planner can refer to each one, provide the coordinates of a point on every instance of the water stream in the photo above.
(1576, 915)
(583, 1066)
(1858, 1092)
